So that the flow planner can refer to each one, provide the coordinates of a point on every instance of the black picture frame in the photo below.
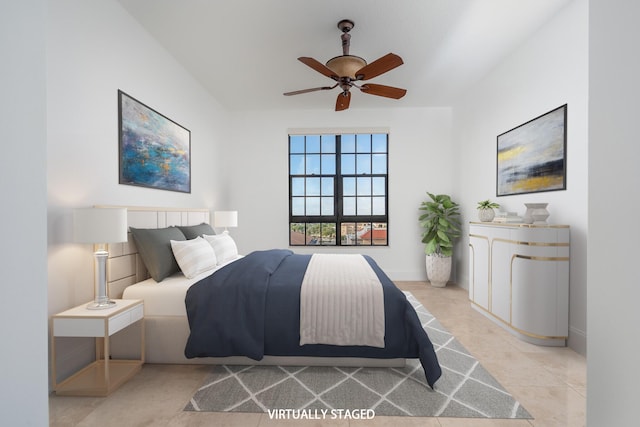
(153, 150)
(532, 157)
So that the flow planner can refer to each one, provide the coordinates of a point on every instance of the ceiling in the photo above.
(244, 52)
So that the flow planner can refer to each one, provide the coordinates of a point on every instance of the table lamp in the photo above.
(225, 219)
(100, 226)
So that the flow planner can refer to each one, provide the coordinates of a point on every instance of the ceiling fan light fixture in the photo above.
(346, 65)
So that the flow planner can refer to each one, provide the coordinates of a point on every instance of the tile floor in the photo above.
(549, 382)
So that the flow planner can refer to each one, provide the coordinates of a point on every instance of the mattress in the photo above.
(166, 298)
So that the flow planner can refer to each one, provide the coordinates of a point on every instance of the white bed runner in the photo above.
(341, 302)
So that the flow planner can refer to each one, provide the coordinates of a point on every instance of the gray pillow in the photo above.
(193, 231)
(154, 246)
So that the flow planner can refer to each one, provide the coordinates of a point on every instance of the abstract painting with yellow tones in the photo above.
(154, 151)
(532, 157)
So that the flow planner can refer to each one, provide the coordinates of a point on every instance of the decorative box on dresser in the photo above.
(519, 278)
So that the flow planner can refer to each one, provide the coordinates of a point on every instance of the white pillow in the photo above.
(224, 247)
(193, 256)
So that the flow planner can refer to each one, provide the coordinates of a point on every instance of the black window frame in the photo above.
(338, 218)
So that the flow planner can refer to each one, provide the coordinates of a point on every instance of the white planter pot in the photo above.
(438, 270)
(486, 215)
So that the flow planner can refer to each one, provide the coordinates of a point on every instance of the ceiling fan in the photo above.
(347, 69)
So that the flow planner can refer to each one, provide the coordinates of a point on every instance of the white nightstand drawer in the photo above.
(122, 320)
(81, 322)
(69, 327)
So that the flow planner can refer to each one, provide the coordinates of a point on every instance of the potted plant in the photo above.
(486, 211)
(441, 223)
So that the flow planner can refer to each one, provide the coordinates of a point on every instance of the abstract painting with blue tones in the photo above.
(155, 151)
(532, 157)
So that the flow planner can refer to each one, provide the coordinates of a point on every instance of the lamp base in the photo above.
(101, 305)
(101, 299)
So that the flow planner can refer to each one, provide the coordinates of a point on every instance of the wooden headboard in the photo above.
(124, 266)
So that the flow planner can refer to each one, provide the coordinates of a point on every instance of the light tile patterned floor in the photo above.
(549, 382)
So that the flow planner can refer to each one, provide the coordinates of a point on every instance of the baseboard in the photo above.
(577, 341)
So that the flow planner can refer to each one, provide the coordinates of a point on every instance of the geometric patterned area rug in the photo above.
(465, 389)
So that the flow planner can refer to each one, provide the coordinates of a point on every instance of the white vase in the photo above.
(540, 214)
(438, 270)
(486, 214)
(540, 210)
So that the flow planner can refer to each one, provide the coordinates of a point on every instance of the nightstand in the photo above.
(105, 374)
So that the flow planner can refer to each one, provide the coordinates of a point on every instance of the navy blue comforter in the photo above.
(251, 308)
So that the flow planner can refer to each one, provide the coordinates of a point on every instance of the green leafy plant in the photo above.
(487, 204)
(441, 223)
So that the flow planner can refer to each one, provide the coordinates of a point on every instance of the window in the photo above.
(338, 186)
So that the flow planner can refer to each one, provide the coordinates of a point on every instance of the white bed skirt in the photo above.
(166, 336)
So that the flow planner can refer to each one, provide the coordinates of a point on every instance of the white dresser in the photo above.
(519, 278)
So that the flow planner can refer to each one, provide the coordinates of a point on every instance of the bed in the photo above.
(168, 336)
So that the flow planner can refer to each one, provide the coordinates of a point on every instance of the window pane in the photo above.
(328, 143)
(327, 206)
(364, 164)
(348, 144)
(328, 164)
(364, 186)
(378, 206)
(328, 234)
(378, 186)
(379, 163)
(313, 206)
(296, 233)
(313, 234)
(364, 206)
(313, 187)
(313, 143)
(349, 186)
(296, 144)
(297, 206)
(348, 206)
(364, 143)
(297, 186)
(348, 164)
(348, 232)
(296, 166)
(327, 186)
(364, 233)
(313, 164)
(379, 143)
(380, 234)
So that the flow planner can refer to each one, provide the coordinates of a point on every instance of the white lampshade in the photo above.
(225, 218)
(100, 225)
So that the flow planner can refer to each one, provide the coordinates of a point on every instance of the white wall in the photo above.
(612, 394)
(549, 70)
(94, 49)
(257, 176)
(23, 318)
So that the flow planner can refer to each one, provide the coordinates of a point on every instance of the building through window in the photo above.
(338, 188)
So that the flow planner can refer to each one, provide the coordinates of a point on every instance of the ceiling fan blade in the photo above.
(379, 66)
(318, 66)
(382, 90)
(313, 89)
(342, 103)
